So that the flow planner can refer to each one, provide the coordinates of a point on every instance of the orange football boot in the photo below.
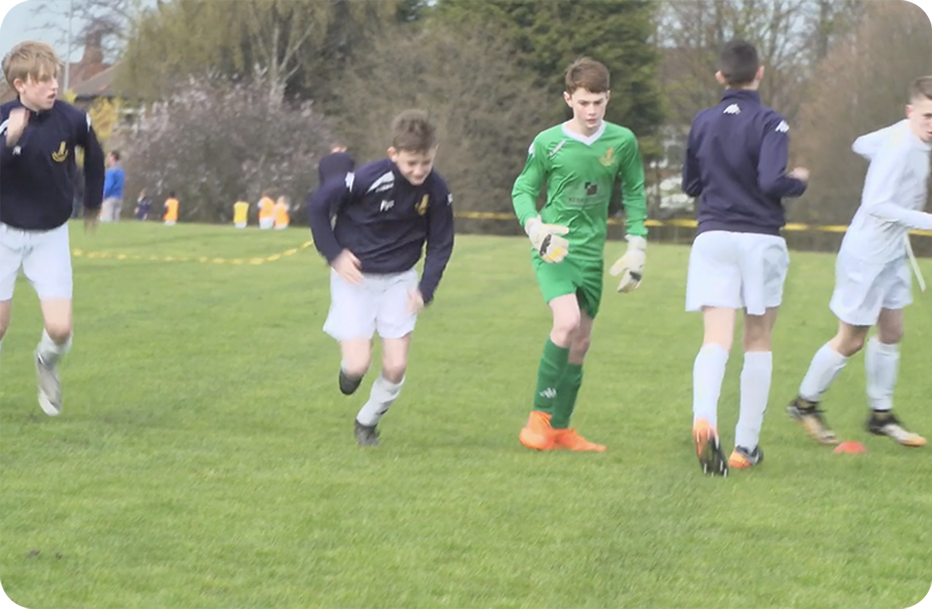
(568, 438)
(538, 434)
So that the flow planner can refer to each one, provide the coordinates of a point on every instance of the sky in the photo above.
(15, 27)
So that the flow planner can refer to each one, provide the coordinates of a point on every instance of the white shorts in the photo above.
(45, 257)
(240, 225)
(863, 289)
(266, 223)
(736, 271)
(379, 304)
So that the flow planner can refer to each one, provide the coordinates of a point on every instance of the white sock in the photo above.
(383, 395)
(825, 366)
(755, 390)
(49, 351)
(708, 374)
(881, 362)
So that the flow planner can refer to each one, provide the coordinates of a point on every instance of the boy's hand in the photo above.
(800, 173)
(415, 302)
(91, 219)
(630, 267)
(547, 240)
(348, 267)
(19, 118)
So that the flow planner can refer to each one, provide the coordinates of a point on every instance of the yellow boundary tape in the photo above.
(469, 215)
(682, 222)
(256, 260)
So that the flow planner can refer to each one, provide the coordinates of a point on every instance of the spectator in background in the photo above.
(282, 218)
(143, 206)
(171, 209)
(113, 188)
(336, 164)
(241, 214)
(266, 211)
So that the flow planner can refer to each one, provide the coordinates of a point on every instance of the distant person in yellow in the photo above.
(240, 214)
(171, 209)
(282, 218)
(266, 211)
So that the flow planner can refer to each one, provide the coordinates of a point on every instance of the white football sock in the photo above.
(49, 351)
(383, 395)
(755, 390)
(825, 366)
(708, 374)
(881, 363)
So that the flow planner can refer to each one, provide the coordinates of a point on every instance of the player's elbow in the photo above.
(693, 188)
(771, 186)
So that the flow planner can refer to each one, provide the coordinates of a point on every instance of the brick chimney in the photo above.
(93, 50)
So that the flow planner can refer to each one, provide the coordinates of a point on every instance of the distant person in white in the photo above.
(872, 274)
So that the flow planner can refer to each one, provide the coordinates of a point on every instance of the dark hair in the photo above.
(588, 74)
(115, 154)
(412, 131)
(171, 194)
(921, 87)
(738, 62)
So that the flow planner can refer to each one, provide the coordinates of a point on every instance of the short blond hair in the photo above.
(31, 58)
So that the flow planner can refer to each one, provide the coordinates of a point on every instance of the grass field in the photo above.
(205, 457)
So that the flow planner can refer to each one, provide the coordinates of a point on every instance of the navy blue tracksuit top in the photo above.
(736, 161)
(37, 175)
(386, 221)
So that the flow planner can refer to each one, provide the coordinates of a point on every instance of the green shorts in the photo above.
(580, 277)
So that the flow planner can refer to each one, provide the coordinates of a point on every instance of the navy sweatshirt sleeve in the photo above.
(329, 196)
(93, 166)
(692, 178)
(439, 242)
(774, 155)
(7, 156)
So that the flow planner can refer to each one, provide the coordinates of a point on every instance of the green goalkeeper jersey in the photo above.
(579, 174)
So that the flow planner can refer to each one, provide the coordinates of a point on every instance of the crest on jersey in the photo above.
(422, 206)
(61, 154)
(608, 158)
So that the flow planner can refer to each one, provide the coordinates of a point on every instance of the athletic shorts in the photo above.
(380, 304)
(571, 276)
(736, 271)
(862, 289)
(44, 256)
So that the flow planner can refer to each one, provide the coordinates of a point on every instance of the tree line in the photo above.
(245, 96)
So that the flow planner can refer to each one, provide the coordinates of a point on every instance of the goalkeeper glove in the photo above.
(547, 240)
(630, 267)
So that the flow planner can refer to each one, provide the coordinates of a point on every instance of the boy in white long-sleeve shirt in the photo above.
(872, 275)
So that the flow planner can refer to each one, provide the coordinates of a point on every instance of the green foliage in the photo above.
(301, 44)
(549, 35)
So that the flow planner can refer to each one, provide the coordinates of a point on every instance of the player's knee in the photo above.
(757, 339)
(848, 344)
(59, 332)
(356, 369)
(580, 346)
(565, 328)
(394, 370)
(890, 335)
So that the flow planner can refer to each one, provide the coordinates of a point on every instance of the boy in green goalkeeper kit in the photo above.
(578, 162)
